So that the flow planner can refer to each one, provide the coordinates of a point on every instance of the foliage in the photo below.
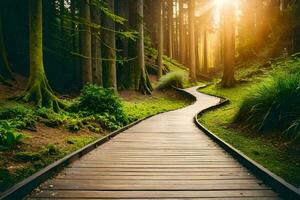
(100, 101)
(74, 125)
(173, 79)
(19, 116)
(50, 118)
(8, 136)
(275, 104)
(278, 154)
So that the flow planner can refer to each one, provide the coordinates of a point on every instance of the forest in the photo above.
(73, 71)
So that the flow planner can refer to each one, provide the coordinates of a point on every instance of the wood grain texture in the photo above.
(165, 156)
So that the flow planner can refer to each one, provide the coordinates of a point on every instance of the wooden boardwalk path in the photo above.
(163, 157)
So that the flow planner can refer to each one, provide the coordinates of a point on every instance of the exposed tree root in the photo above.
(145, 86)
(42, 95)
(227, 83)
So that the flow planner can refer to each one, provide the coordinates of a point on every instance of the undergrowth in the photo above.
(172, 79)
(275, 86)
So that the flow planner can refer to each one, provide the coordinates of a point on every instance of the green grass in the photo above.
(278, 154)
(138, 109)
(31, 161)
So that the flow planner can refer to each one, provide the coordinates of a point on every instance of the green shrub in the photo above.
(98, 100)
(19, 116)
(173, 79)
(14, 112)
(74, 125)
(8, 136)
(108, 121)
(274, 104)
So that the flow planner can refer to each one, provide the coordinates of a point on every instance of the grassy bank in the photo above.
(274, 151)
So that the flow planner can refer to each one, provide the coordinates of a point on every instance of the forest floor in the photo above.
(275, 152)
(44, 145)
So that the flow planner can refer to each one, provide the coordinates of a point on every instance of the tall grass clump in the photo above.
(273, 105)
(172, 79)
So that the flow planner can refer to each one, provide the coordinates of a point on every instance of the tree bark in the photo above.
(4, 61)
(197, 41)
(109, 48)
(205, 51)
(192, 40)
(85, 42)
(171, 28)
(96, 47)
(228, 79)
(160, 39)
(182, 33)
(38, 88)
(139, 74)
(75, 45)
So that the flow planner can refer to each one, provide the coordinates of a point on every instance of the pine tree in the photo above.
(38, 88)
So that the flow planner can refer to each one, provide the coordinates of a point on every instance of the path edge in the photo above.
(25, 187)
(285, 189)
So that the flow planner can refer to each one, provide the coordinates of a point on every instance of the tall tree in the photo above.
(109, 47)
(4, 64)
(139, 73)
(205, 51)
(170, 28)
(85, 41)
(182, 37)
(181, 32)
(96, 46)
(192, 54)
(38, 88)
(228, 79)
(160, 39)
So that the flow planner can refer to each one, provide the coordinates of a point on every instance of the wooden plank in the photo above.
(103, 173)
(158, 182)
(154, 194)
(226, 198)
(161, 177)
(151, 187)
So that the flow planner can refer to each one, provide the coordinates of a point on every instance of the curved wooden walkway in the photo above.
(163, 157)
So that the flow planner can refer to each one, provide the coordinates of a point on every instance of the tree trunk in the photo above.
(182, 33)
(139, 74)
(228, 79)
(4, 64)
(96, 47)
(205, 51)
(38, 88)
(85, 42)
(171, 28)
(109, 48)
(160, 40)
(192, 40)
(197, 41)
(75, 46)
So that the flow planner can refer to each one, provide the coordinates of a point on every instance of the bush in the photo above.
(74, 125)
(173, 79)
(19, 116)
(97, 100)
(8, 136)
(275, 104)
